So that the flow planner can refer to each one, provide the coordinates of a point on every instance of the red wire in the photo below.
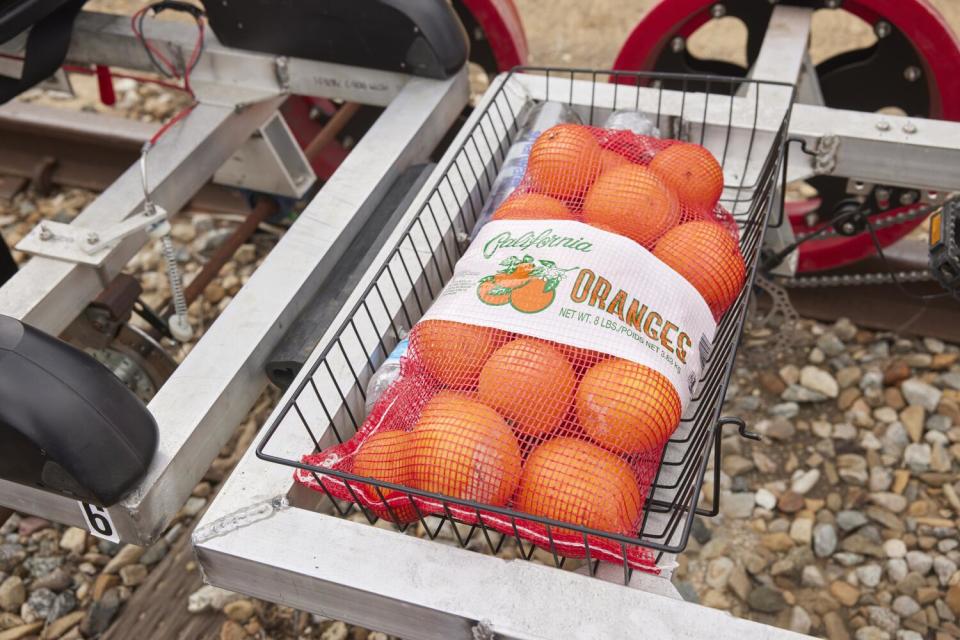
(172, 121)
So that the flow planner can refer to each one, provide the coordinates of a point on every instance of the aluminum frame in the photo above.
(216, 385)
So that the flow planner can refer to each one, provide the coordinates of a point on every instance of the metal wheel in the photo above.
(908, 68)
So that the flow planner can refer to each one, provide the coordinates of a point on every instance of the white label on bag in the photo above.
(578, 285)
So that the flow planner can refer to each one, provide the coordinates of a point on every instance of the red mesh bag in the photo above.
(550, 372)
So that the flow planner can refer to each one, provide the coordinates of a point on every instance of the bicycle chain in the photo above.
(913, 213)
(859, 279)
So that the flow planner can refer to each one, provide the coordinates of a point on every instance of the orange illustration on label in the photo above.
(527, 284)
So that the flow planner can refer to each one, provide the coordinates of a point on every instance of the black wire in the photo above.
(893, 275)
(156, 8)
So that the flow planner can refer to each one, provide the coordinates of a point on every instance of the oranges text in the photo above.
(530, 383)
(465, 450)
(633, 201)
(706, 255)
(564, 161)
(627, 407)
(532, 206)
(580, 483)
(692, 172)
(453, 352)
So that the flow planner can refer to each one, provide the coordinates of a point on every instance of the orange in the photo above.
(692, 172)
(580, 483)
(517, 277)
(530, 383)
(387, 456)
(706, 255)
(532, 297)
(627, 407)
(610, 159)
(453, 352)
(532, 206)
(564, 161)
(492, 293)
(465, 450)
(634, 202)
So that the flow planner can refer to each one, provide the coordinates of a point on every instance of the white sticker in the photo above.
(99, 522)
(584, 287)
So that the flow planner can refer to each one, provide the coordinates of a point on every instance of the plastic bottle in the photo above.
(535, 121)
(385, 375)
(636, 121)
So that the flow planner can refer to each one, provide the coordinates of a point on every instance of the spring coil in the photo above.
(173, 274)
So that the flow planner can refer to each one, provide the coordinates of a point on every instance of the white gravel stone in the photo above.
(896, 569)
(718, 573)
(869, 575)
(210, 597)
(895, 548)
(765, 499)
(737, 505)
(800, 620)
(920, 562)
(917, 456)
(944, 567)
(816, 379)
(812, 577)
(905, 606)
(804, 481)
(918, 392)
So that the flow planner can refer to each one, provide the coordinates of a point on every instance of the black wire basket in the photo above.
(744, 123)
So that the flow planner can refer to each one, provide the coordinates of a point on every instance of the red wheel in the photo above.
(910, 67)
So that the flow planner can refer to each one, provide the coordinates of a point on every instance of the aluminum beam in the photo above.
(48, 294)
(101, 38)
(215, 387)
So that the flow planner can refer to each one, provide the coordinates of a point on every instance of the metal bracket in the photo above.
(825, 160)
(718, 458)
(80, 245)
(271, 161)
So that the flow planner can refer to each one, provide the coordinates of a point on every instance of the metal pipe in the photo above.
(332, 129)
(264, 208)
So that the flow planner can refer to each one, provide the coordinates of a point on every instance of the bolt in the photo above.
(908, 198)
(45, 233)
(93, 238)
(909, 128)
(933, 196)
(882, 29)
(912, 73)
(848, 227)
(858, 186)
(718, 10)
(832, 4)
(883, 196)
(677, 44)
(883, 125)
(811, 219)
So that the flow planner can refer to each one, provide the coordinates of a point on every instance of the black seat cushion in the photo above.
(421, 37)
(18, 15)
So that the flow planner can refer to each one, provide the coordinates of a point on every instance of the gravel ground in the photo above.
(842, 523)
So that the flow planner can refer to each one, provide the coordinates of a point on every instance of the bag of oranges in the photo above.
(541, 386)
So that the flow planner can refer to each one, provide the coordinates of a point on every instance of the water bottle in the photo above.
(385, 375)
(636, 121)
(537, 119)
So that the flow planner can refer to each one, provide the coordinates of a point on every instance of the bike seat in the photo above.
(420, 37)
(20, 15)
(67, 424)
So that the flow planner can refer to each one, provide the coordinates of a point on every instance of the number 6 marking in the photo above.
(99, 522)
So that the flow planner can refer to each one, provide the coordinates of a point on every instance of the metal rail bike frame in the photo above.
(217, 384)
(252, 540)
